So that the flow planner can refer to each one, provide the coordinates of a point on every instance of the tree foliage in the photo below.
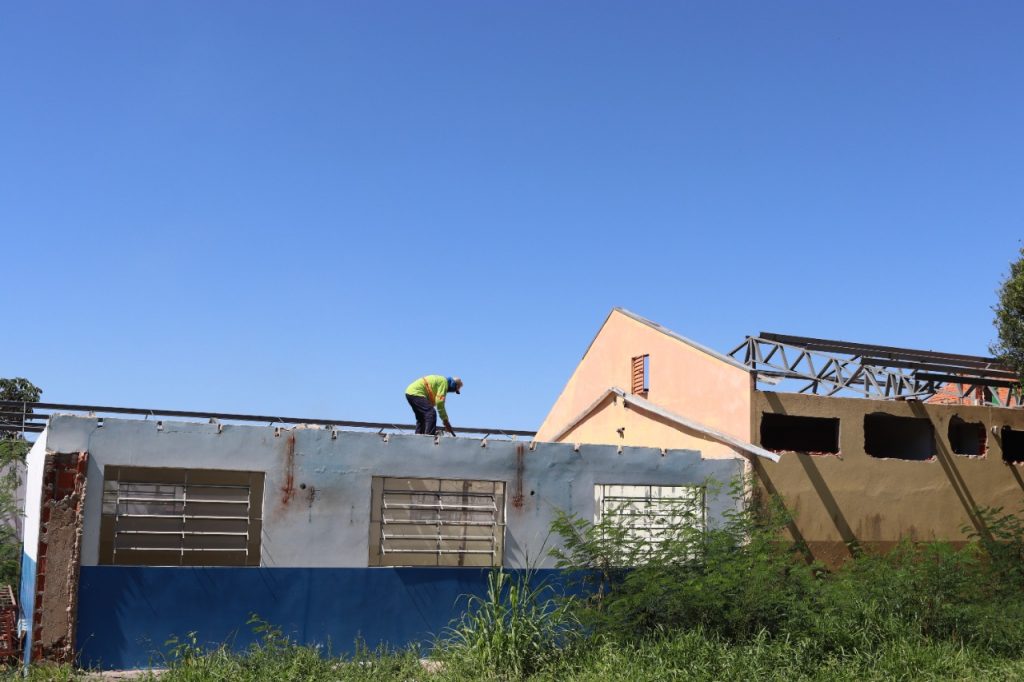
(1009, 320)
(13, 448)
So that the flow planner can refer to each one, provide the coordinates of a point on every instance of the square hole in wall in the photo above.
(1013, 445)
(967, 438)
(786, 432)
(890, 437)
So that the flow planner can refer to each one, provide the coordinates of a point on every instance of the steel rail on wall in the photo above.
(830, 367)
(24, 417)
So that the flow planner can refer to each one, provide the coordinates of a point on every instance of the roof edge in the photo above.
(742, 447)
(678, 337)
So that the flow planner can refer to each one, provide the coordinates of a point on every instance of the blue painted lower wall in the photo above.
(126, 614)
(27, 599)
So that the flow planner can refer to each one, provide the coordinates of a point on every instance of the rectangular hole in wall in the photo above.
(893, 437)
(1013, 445)
(782, 432)
(967, 438)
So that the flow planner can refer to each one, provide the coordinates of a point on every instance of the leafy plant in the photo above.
(1009, 319)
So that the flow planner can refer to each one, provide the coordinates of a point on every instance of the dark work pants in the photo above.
(426, 417)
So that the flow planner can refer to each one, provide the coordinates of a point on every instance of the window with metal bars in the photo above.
(436, 522)
(641, 375)
(650, 514)
(181, 517)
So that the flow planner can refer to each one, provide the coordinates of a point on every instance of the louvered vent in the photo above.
(641, 375)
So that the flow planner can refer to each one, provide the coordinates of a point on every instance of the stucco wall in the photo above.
(683, 379)
(853, 497)
(326, 523)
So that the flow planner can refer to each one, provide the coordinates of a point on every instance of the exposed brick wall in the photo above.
(949, 394)
(58, 559)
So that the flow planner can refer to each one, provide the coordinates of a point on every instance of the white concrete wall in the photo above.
(35, 460)
(326, 523)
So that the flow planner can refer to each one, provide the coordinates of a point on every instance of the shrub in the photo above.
(734, 580)
(741, 583)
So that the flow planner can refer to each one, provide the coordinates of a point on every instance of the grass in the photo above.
(520, 628)
(688, 655)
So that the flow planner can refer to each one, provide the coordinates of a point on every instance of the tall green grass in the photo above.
(521, 627)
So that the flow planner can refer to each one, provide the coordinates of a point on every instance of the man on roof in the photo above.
(429, 392)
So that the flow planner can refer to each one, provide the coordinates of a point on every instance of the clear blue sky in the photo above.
(297, 208)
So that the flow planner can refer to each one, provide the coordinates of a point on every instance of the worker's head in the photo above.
(454, 385)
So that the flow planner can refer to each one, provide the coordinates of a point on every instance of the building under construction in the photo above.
(141, 528)
(142, 525)
(877, 444)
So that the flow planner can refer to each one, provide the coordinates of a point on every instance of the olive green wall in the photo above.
(855, 498)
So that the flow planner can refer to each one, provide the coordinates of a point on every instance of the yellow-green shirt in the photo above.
(434, 388)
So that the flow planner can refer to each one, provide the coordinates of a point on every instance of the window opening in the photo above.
(1013, 445)
(641, 375)
(967, 438)
(650, 514)
(437, 522)
(891, 437)
(813, 435)
(181, 517)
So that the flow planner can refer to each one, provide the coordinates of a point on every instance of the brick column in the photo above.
(60, 549)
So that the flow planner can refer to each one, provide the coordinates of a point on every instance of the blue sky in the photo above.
(297, 208)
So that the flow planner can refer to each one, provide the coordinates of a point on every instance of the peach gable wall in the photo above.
(683, 380)
(641, 429)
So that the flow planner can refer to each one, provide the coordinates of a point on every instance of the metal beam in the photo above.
(19, 428)
(828, 345)
(882, 372)
(970, 381)
(995, 373)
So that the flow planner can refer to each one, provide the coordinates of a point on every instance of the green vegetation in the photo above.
(1009, 319)
(13, 448)
(728, 603)
(521, 628)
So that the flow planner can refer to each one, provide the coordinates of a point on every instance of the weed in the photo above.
(519, 628)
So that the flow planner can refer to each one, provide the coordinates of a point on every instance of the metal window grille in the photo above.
(640, 374)
(650, 513)
(189, 522)
(437, 522)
